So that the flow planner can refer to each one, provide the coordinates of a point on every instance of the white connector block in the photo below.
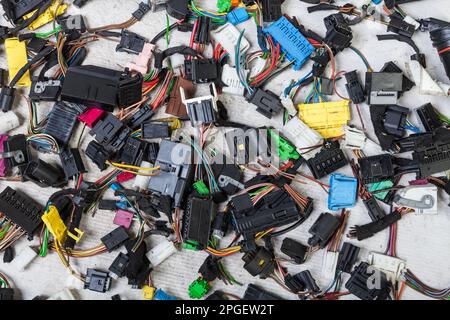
(354, 139)
(391, 266)
(231, 79)
(24, 259)
(9, 122)
(329, 264)
(228, 36)
(64, 295)
(141, 182)
(288, 104)
(161, 252)
(302, 136)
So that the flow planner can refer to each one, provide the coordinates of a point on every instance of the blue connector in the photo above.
(291, 41)
(237, 16)
(161, 295)
(343, 192)
(377, 1)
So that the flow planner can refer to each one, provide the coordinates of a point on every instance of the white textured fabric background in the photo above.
(423, 241)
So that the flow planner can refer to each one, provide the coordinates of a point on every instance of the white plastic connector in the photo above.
(354, 139)
(228, 36)
(142, 61)
(427, 86)
(302, 136)
(197, 101)
(329, 264)
(65, 295)
(161, 252)
(24, 259)
(422, 198)
(231, 79)
(391, 266)
(410, 20)
(141, 182)
(288, 104)
(9, 122)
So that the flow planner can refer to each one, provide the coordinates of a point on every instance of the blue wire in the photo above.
(299, 82)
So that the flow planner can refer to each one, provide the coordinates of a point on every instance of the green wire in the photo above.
(167, 30)
(5, 230)
(48, 34)
(44, 247)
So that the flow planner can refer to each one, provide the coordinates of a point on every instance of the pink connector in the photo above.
(3, 138)
(143, 59)
(91, 116)
(125, 176)
(123, 218)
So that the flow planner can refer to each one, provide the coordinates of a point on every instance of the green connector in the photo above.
(201, 188)
(381, 186)
(285, 150)
(223, 5)
(190, 245)
(199, 288)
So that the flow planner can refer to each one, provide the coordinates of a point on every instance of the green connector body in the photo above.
(285, 150)
(380, 186)
(224, 5)
(201, 188)
(199, 288)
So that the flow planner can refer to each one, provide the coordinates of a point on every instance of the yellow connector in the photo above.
(16, 55)
(56, 226)
(327, 118)
(47, 16)
(148, 292)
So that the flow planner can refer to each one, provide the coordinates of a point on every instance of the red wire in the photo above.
(444, 50)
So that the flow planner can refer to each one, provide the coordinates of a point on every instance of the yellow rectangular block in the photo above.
(55, 224)
(47, 16)
(327, 118)
(148, 292)
(16, 55)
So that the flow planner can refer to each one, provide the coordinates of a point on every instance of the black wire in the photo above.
(30, 20)
(163, 33)
(27, 66)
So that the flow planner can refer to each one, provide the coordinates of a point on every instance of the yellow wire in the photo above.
(120, 165)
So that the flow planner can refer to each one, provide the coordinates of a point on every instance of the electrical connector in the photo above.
(339, 35)
(302, 137)
(44, 174)
(374, 210)
(197, 219)
(376, 168)
(57, 228)
(47, 90)
(142, 61)
(175, 106)
(123, 218)
(201, 70)
(327, 118)
(360, 280)
(260, 262)
(323, 230)
(392, 267)
(201, 110)
(291, 41)
(16, 56)
(238, 15)
(343, 192)
(97, 281)
(148, 293)
(160, 253)
(382, 88)
(401, 27)
(162, 295)
(329, 159)
(98, 154)
(228, 35)
(267, 102)
(6, 294)
(428, 117)
(7, 98)
(115, 239)
(130, 42)
(143, 9)
(347, 257)
(56, 9)
(271, 10)
(9, 122)
(354, 139)
(354, 87)
(294, 250)
(199, 288)
(257, 294)
(119, 265)
(61, 122)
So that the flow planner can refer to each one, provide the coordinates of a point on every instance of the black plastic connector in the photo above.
(154, 130)
(267, 102)
(295, 250)
(115, 238)
(221, 224)
(7, 97)
(201, 70)
(373, 208)
(119, 265)
(323, 230)
(144, 8)
(197, 220)
(328, 160)
(130, 42)
(61, 122)
(260, 262)
(133, 151)
(6, 294)
(108, 88)
(400, 27)
(369, 230)
(347, 258)
(98, 154)
(359, 282)
(44, 174)
(376, 168)
(257, 294)
(209, 270)
(271, 10)
(21, 210)
(107, 129)
(71, 162)
(17, 146)
(144, 114)
(339, 35)
(308, 282)
(429, 118)
(72, 24)
(98, 281)
(178, 9)
(203, 29)
(354, 87)
(151, 151)
(48, 90)
(8, 255)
